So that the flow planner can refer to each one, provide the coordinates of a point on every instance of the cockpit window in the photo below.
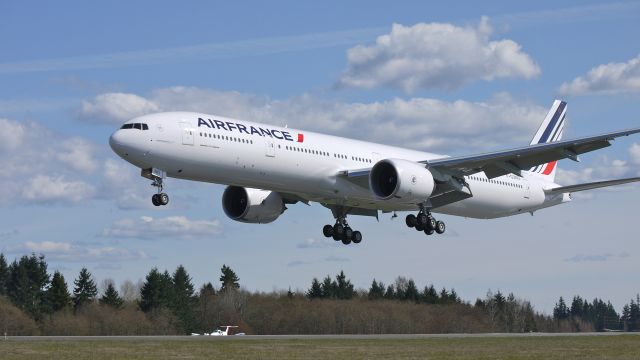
(138, 126)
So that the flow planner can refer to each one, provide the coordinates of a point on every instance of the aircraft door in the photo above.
(270, 149)
(187, 133)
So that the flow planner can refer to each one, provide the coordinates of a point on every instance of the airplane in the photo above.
(219, 331)
(266, 168)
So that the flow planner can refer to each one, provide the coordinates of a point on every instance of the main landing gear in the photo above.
(342, 232)
(424, 221)
(161, 198)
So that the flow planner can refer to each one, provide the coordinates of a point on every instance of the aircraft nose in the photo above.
(116, 141)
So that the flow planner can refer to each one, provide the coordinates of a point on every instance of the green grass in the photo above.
(490, 347)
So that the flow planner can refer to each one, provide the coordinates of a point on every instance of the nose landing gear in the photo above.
(161, 198)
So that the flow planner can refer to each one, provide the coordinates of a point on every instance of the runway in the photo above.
(311, 337)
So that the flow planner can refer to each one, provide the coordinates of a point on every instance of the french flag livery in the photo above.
(550, 130)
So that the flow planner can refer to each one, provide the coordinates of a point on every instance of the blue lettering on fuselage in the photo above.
(250, 130)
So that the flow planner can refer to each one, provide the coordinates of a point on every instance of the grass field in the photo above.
(475, 347)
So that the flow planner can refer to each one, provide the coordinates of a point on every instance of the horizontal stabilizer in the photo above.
(589, 186)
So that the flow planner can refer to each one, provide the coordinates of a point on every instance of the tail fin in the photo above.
(550, 130)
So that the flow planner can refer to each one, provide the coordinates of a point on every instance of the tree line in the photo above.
(33, 301)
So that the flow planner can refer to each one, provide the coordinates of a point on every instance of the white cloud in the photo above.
(435, 55)
(47, 189)
(174, 227)
(421, 123)
(116, 107)
(608, 78)
(601, 169)
(634, 152)
(64, 251)
(11, 134)
(77, 154)
(596, 257)
(313, 243)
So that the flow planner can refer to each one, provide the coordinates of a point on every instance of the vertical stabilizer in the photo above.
(550, 130)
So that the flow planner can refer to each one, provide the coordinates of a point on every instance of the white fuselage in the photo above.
(220, 150)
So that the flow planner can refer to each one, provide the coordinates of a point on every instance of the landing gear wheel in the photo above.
(431, 223)
(356, 237)
(336, 237)
(419, 227)
(346, 240)
(163, 199)
(338, 230)
(411, 220)
(428, 231)
(327, 230)
(348, 233)
(422, 219)
(440, 227)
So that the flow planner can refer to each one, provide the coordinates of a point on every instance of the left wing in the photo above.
(590, 186)
(514, 161)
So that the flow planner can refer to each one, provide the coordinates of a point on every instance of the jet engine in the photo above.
(401, 181)
(252, 205)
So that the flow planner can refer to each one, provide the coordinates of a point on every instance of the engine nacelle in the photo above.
(401, 181)
(252, 205)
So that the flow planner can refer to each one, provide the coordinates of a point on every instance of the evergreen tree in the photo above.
(453, 297)
(85, 289)
(344, 288)
(207, 290)
(27, 282)
(560, 311)
(444, 296)
(183, 298)
(111, 297)
(58, 296)
(4, 275)
(390, 293)
(376, 291)
(315, 291)
(229, 279)
(430, 295)
(411, 293)
(329, 288)
(151, 292)
(577, 307)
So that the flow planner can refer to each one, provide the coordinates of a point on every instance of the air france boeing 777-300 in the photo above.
(268, 167)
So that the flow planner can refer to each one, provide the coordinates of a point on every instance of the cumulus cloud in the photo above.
(116, 107)
(11, 134)
(608, 78)
(174, 227)
(435, 55)
(421, 123)
(48, 189)
(78, 155)
(634, 152)
(64, 251)
(602, 169)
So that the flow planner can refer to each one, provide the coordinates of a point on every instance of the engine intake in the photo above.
(401, 181)
(252, 205)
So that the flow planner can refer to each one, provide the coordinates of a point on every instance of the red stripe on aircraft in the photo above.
(300, 137)
(549, 168)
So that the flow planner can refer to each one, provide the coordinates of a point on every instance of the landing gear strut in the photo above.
(161, 198)
(341, 231)
(424, 221)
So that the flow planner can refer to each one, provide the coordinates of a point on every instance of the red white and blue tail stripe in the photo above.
(550, 130)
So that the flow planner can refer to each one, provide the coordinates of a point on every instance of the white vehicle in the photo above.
(267, 168)
(220, 332)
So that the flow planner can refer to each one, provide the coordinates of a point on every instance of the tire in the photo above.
(346, 240)
(336, 237)
(356, 237)
(411, 220)
(338, 230)
(163, 199)
(419, 227)
(327, 230)
(431, 223)
(440, 227)
(422, 219)
(348, 233)
(428, 231)
(154, 200)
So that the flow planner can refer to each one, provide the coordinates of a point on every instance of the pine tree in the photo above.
(329, 288)
(58, 297)
(411, 293)
(183, 298)
(344, 288)
(376, 291)
(111, 297)
(4, 275)
(229, 279)
(430, 295)
(560, 311)
(576, 307)
(85, 290)
(28, 279)
(315, 291)
(390, 293)
(151, 292)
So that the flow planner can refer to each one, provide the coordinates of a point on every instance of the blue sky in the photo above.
(455, 79)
